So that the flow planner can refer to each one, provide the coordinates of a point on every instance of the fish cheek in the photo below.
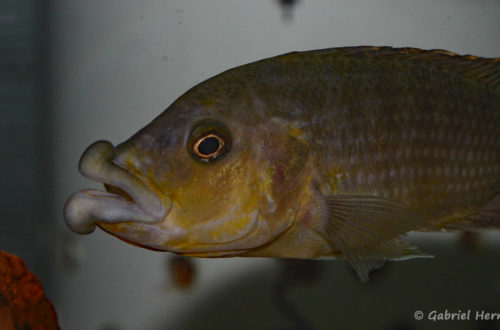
(217, 202)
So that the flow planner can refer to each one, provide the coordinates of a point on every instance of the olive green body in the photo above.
(337, 152)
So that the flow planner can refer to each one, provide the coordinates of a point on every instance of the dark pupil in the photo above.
(208, 146)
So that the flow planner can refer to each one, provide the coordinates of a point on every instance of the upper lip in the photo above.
(84, 208)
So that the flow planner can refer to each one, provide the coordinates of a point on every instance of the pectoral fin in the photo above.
(366, 230)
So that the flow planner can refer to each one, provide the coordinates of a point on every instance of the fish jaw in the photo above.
(86, 208)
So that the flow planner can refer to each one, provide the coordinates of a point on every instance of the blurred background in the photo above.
(73, 72)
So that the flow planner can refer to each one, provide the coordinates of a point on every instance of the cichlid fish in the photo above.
(327, 153)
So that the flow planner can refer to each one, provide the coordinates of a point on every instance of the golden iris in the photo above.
(208, 146)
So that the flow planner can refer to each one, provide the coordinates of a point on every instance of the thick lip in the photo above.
(84, 209)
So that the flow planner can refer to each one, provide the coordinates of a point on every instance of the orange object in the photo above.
(23, 304)
(181, 271)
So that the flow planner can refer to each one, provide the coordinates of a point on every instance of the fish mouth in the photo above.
(128, 199)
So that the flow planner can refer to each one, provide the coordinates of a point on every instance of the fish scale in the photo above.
(409, 166)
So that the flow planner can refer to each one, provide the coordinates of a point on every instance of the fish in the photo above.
(333, 153)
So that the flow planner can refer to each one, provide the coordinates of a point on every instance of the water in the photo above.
(116, 65)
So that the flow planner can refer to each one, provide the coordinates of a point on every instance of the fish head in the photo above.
(201, 180)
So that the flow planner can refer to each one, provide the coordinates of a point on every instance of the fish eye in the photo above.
(209, 141)
(208, 146)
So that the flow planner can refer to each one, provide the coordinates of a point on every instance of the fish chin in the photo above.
(138, 203)
(197, 241)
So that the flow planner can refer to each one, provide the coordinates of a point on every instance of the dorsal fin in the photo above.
(485, 70)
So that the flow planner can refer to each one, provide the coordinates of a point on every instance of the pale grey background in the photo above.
(118, 64)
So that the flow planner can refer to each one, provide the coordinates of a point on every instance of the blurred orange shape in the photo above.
(23, 304)
(181, 271)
